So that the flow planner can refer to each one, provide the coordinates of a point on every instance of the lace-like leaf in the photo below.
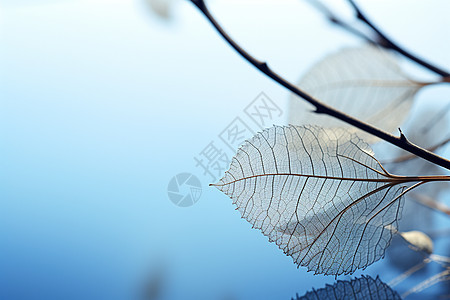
(426, 128)
(364, 82)
(319, 194)
(363, 288)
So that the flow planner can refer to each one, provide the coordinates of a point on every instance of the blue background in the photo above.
(102, 103)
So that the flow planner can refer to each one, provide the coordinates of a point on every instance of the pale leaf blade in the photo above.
(427, 129)
(319, 194)
(364, 82)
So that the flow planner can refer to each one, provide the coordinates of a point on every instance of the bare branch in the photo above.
(333, 18)
(322, 108)
(378, 38)
(407, 157)
(389, 43)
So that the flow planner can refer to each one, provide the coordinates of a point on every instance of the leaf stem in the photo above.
(322, 108)
(392, 179)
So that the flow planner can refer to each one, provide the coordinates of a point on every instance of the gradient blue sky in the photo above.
(102, 103)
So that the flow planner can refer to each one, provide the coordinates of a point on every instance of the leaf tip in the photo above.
(217, 184)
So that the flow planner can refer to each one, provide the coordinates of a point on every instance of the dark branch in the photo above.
(333, 18)
(379, 37)
(412, 156)
(403, 137)
(321, 107)
(386, 42)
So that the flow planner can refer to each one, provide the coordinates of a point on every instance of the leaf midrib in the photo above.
(391, 178)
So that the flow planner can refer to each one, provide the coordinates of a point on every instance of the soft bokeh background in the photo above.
(103, 102)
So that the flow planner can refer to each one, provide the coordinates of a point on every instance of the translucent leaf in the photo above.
(418, 240)
(364, 82)
(319, 194)
(415, 215)
(361, 288)
(427, 128)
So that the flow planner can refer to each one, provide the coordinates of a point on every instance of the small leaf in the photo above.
(419, 240)
(319, 194)
(364, 82)
(361, 288)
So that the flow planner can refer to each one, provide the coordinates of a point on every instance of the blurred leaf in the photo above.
(319, 194)
(361, 288)
(364, 82)
(162, 8)
(155, 284)
(419, 240)
(416, 216)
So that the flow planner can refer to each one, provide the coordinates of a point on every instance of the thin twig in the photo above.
(440, 259)
(379, 38)
(322, 108)
(443, 276)
(389, 43)
(409, 272)
(333, 18)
